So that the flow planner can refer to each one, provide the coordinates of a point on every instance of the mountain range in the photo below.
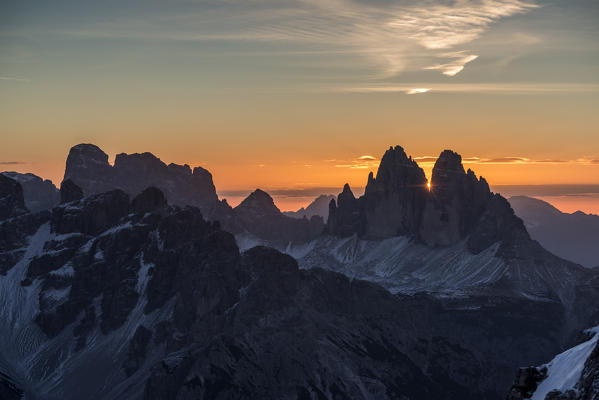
(141, 283)
(571, 236)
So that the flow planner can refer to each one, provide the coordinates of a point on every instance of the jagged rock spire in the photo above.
(397, 202)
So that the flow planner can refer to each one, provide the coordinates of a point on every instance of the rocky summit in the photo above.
(398, 202)
(258, 220)
(88, 167)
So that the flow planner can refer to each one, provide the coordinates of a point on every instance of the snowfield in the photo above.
(565, 369)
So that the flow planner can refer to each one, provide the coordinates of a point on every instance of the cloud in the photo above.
(490, 88)
(506, 160)
(452, 68)
(425, 159)
(392, 35)
(11, 162)
(417, 91)
(362, 162)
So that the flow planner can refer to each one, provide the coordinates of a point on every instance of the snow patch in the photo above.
(566, 368)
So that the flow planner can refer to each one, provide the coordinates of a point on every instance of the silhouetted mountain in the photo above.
(87, 166)
(571, 236)
(258, 204)
(69, 192)
(39, 194)
(456, 239)
(397, 202)
(319, 207)
(257, 219)
(12, 203)
(110, 299)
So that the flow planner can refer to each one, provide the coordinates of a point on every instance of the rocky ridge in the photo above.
(110, 298)
(88, 167)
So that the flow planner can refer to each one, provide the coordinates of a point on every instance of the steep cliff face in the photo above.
(345, 215)
(454, 204)
(393, 201)
(457, 205)
(87, 166)
(12, 202)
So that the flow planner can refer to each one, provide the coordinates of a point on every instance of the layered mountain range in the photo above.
(573, 236)
(409, 293)
(87, 167)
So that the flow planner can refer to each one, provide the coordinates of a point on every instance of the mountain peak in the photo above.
(87, 166)
(447, 165)
(258, 203)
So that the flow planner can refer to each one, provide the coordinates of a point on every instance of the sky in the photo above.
(306, 94)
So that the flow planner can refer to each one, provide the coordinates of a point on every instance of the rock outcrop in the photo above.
(149, 200)
(39, 194)
(455, 202)
(571, 375)
(12, 202)
(457, 205)
(69, 192)
(88, 167)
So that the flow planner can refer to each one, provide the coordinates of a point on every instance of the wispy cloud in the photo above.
(12, 79)
(497, 88)
(393, 35)
(11, 162)
(453, 67)
(429, 160)
(417, 91)
(362, 162)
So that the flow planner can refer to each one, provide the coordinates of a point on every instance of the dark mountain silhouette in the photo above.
(115, 296)
(39, 194)
(319, 207)
(397, 202)
(257, 219)
(138, 299)
(87, 166)
(12, 202)
(456, 239)
(571, 236)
